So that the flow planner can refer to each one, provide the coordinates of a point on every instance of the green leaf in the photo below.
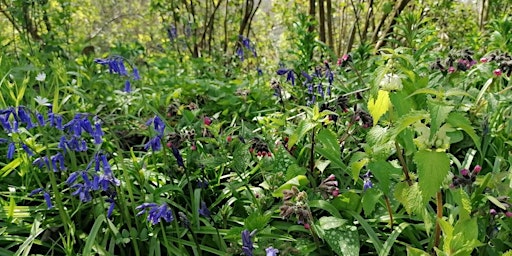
(384, 172)
(406, 121)
(356, 167)
(433, 167)
(370, 199)
(369, 230)
(298, 181)
(92, 235)
(409, 196)
(380, 106)
(301, 130)
(256, 221)
(438, 114)
(463, 202)
(457, 120)
(326, 206)
(329, 148)
(392, 238)
(343, 240)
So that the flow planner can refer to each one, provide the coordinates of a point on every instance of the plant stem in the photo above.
(402, 162)
(439, 202)
(390, 212)
(312, 156)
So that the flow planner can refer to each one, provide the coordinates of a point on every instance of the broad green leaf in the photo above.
(392, 238)
(347, 201)
(330, 148)
(357, 166)
(409, 196)
(329, 222)
(384, 172)
(457, 120)
(298, 181)
(256, 221)
(380, 106)
(416, 252)
(438, 114)
(406, 121)
(433, 167)
(369, 200)
(343, 240)
(463, 202)
(302, 129)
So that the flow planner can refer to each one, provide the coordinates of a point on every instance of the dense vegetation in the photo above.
(242, 127)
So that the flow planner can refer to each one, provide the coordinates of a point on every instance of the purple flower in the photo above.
(282, 71)
(247, 246)
(367, 181)
(24, 117)
(111, 207)
(155, 212)
(27, 149)
(204, 211)
(10, 151)
(46, 196)
(127, 86)
(172, 33)
(154, 143)
(177, 154)
(40, 119)
(271, 251)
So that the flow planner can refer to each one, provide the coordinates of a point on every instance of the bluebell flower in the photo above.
(24, 117)
(309, 79)
(111, 207)
(27, 149)
(184, 220)
(4, 120)
(291, 77)
(127, 86)
(63, 144)
(106, 165)
(10, 150)
(40, 119)
(320, 89)
(260, 71)
(83, 191)
(15, 126)
(247, 245)
(158, 124)
(46, 196)
(155, 212)
(154, 143)
(202, 184)
(41, 162)
(72, 178)
(204, 211)
(240, 53)
(177, 155)
(58, 162)
(282, 71)
(97, 133)
(271, 251)
(136, 75)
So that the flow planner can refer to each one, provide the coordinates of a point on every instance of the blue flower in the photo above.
(40, 119)
(172, 33)
(111, 207)
(204, 211)
(158, 124)
(24, 117)
(46, 196)
(98, 133)
(155, 212)
(27, 149)
(247, 246)
(367, 181)
(271, 251)
(10, 151)
(154, 143)
(127, 86)
(136, 75)
(177, 154)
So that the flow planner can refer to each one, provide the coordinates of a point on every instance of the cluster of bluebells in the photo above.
(155, 143)
(245, 43)
(295, 202)
(504, 61)
(116, 66)
(329, 187)
(466, 177)
(156, 213)
(11, 120)
(102, 179)
(456, 61)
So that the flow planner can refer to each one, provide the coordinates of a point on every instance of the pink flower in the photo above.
(336, 192)
(483, 60)
(497, 72)
(493, 212)
(451, 70)
(207, 121)
(307, 226)
(477, 169)
(508, 214)
(464, 172)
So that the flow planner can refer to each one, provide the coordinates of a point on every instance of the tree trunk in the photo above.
(367, 21)
(321, 23)
(312, 14)
(389, 29)
(330, 38)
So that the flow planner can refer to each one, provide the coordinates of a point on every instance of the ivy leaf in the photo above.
(438, 114)
(379, 107)
(433, 167)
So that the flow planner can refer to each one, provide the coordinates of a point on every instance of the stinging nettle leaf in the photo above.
(380, 106)
(433, 167)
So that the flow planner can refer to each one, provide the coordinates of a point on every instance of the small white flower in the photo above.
(41, 77)
(391, 82)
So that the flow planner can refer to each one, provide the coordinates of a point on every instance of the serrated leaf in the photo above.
(304, 127)
(343, 240)
(384, 172)
(357, 166)
(256, 221)
(457, 120)
(298, 181)
(409, 196)
(438, 114)
(376, 134)
(433, 167)
(406, 121)
(380, 106)
(370, 199)
(463, 202)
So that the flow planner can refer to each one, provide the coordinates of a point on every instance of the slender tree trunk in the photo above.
(367, 21)
(225, 45)
(330, 38)
(352, 37)
(252, 17)
(321, 23)
(389, 29)
(343, 26)
(312, 14)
